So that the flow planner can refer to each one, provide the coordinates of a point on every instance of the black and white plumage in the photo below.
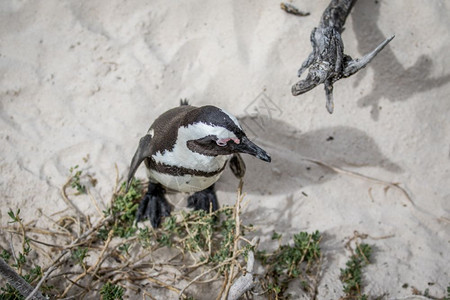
(186, 149)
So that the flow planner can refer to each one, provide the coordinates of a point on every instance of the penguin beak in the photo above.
(247, 146)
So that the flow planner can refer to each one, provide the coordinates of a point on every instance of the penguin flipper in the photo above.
(205, 200)
(237, 165)
(143, 151)
(153, 206)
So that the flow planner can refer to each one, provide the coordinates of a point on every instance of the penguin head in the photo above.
(213, 131)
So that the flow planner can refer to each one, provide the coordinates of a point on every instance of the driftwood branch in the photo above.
(244, 283)
(17, 281)
(327, 63)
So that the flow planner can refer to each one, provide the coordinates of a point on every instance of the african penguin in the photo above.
(186, 149)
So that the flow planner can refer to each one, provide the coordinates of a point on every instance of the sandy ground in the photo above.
(84, 79)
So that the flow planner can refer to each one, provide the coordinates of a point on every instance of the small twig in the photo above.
(117, 178)
(95, 203)
(382, 237)
(214, 278)
(54, 222)
(236, 237)
(47, 273)
(158, 282)
(39, 249)
(59, 212)
(225, 262)
(362, 253)
(356, 235)
(224, 284)
(444, 219)
(66, 198)
(110, 234)
(69, 202)
(40, 242)
(413, 297)
(97, 267)
(76, 283)
(316, 278)
(291, 9)
(64, 274)
(93, 229)
(53, 266)
(34, 230)
(24, 238)
(11, 245)
(144, 293)
(358, 175)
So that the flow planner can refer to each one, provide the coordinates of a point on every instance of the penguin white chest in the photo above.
(184, 183)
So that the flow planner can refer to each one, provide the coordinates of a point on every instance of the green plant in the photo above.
(21, 257)
(79, 254)
(290, 262)
(209, 245)
(125, 248)
(351, 276)
(123, 208)
(29, 273)
(210, 234)
(111, 291)
(15, 218)
(5, 255)
(75, 180)
(10, 293)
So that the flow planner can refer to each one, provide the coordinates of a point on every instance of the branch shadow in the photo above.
(341, 146)
(391, 80)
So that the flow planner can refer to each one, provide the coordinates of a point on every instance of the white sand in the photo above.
(88, 79)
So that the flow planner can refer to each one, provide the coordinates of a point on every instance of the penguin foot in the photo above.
(153, 206)
(205, 200)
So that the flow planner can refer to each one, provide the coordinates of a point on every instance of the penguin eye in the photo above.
(222, 142)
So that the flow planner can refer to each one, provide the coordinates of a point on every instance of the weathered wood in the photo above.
(17, 282)
(327, 63)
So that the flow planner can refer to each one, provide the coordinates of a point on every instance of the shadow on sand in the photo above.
(340, 146)
(391, 80)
